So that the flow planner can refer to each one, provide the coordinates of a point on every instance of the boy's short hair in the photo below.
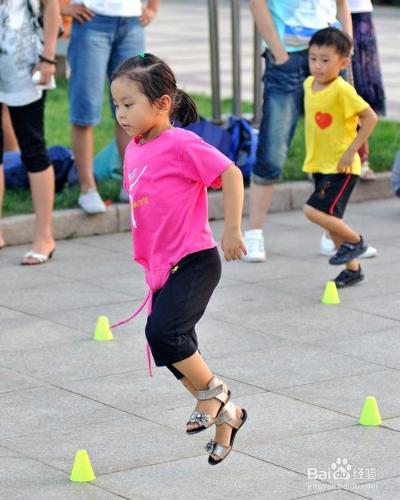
(332, 37)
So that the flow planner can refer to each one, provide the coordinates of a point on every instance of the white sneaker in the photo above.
(254, 242)
(91, 203)
(327, 248)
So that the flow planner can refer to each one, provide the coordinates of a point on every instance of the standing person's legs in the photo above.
(88, 55)
(28, 123)
(283, 95)
(129, 40)
(10, 141)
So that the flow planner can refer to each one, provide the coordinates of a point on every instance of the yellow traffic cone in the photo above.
(330, 295)
(82, 471)
(370, 414)
(103, 330)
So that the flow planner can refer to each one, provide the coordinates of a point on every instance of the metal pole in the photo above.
(214, 60)
(257, 85)
(236, 70)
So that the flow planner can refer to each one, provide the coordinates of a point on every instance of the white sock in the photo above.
(254, 233)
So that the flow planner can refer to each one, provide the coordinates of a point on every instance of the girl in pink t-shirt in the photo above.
(166, 173)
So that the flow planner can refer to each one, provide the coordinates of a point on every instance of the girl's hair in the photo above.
(155, 79)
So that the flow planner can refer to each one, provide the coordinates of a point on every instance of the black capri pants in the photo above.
(28, 124)
(179, 305)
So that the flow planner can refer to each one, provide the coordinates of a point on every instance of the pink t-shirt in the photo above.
(167, 179)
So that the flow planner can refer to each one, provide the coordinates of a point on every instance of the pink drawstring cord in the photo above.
(138, 310)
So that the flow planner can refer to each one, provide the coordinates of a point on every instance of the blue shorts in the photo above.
(96, 49)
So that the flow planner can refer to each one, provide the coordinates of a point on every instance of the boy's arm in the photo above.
(344, 16)
(266, 28)
(232, 240)
(368, 119)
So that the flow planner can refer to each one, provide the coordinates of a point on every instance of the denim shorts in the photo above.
(96, 49)
(282, 106)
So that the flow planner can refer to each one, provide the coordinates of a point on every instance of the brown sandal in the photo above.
(216, 389)
(227, 416)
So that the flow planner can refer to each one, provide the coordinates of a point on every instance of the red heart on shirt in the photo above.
(323, 119)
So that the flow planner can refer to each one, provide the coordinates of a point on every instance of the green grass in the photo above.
(384, 143)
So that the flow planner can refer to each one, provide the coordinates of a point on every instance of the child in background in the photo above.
(166, 172)
(333, 109)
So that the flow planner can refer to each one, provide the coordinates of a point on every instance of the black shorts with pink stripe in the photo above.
(332, 193)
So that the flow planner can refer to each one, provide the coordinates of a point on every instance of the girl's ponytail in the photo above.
(184, 109)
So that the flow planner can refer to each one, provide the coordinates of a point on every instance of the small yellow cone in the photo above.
(370, 414)
(82, 471)
(103, 330)
(330, 295)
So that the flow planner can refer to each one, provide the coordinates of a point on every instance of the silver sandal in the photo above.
(216, 389)
(227, 416)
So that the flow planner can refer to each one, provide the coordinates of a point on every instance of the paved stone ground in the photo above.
(180, 36)
(302, 369)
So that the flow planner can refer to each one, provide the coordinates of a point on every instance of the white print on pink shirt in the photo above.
(133, 180)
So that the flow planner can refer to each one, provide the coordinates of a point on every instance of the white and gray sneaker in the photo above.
(254, 241)
(327, 248)
(91, 202)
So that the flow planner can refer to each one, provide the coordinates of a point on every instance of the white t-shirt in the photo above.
(360, 6)
(20, 47)
(120, 8)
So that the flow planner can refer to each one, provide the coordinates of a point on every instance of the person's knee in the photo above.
(310, 212)
(36, 160)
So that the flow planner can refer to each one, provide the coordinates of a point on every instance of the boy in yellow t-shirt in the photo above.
(333, 110)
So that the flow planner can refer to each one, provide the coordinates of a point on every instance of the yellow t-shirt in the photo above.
(331, 119)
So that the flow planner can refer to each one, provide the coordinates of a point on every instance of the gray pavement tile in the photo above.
(276, 267)
(382, 346)
(12, 381)
(387, 489)
(84, 319)
(146, 396)
(241, 477)
(114, 445)
(22, 478)
(33, 332)
(371, 453)
(393, 423)
(315, 322)
(272, 418)
(379, 305)
(290, 365)
(10, 314)
(133, 285)
(59, 297)
(27, 277)
(31, 410)
(220, 338)
(347, 395)
(116, 244)
(93, 266)
(77, 360)
(244, 308)
(332, 495)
